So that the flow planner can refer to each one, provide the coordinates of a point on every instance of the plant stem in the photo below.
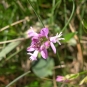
(52, 17)
(17, 79)
(70, 16)
(39, 18)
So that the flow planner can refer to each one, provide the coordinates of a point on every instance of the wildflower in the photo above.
(41, 42)
(67, 78)
(62, 79)
(59, 78)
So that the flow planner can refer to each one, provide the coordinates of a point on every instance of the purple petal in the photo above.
(47, 44)
(44, 53)
(44, 32)
(31, 33)
(53, 47)
(53, 39)
(30, 49)
(35, 39)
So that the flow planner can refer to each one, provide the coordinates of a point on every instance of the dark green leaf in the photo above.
(43, 67)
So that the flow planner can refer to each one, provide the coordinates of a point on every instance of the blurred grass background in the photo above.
(16, 17)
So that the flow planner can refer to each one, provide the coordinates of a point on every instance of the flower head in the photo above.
(59, 78)
(67, 78)
(41, 42)
(62, 79)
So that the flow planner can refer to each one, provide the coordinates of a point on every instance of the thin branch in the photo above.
(54, 80)
(19, 39)
(15, 23)
(15, 80)
(80, 59)
(70, 17)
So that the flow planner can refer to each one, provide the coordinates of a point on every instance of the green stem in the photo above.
(52, 17)
(13, 54)
(60, 62)
(81, 73)
(38, 10)
(54, 5)
(65, 11)
(39, 18)
(70, 16)
(17, 79)
(81, 26)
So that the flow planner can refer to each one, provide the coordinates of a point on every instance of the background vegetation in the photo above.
(16, 17)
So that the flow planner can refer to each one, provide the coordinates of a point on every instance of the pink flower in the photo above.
(60, 79)
(41, 42)
(67, 78)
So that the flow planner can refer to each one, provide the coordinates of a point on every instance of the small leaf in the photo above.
(84, 23)
(69, 36)
(43, 67)
(8, 48)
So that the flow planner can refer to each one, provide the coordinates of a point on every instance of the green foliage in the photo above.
(8, 48)
(54, 14)
(72, 76)
(43, 68)
(68, 36)
(33, 84)
(47, 84)
(84, 22)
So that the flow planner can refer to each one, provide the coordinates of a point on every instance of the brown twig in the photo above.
(17, 22)
(19, 39)
(83, 41)
(79, 55)
(54, 80)
(59, 66)
(20, 5)
(84, 38)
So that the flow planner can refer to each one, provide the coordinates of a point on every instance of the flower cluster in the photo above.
(41, 42)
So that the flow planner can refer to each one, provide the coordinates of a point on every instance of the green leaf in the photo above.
(83, 81)
(43, 67)
(46, 84)
(68, 36)
(84, 23)
(8, 48)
